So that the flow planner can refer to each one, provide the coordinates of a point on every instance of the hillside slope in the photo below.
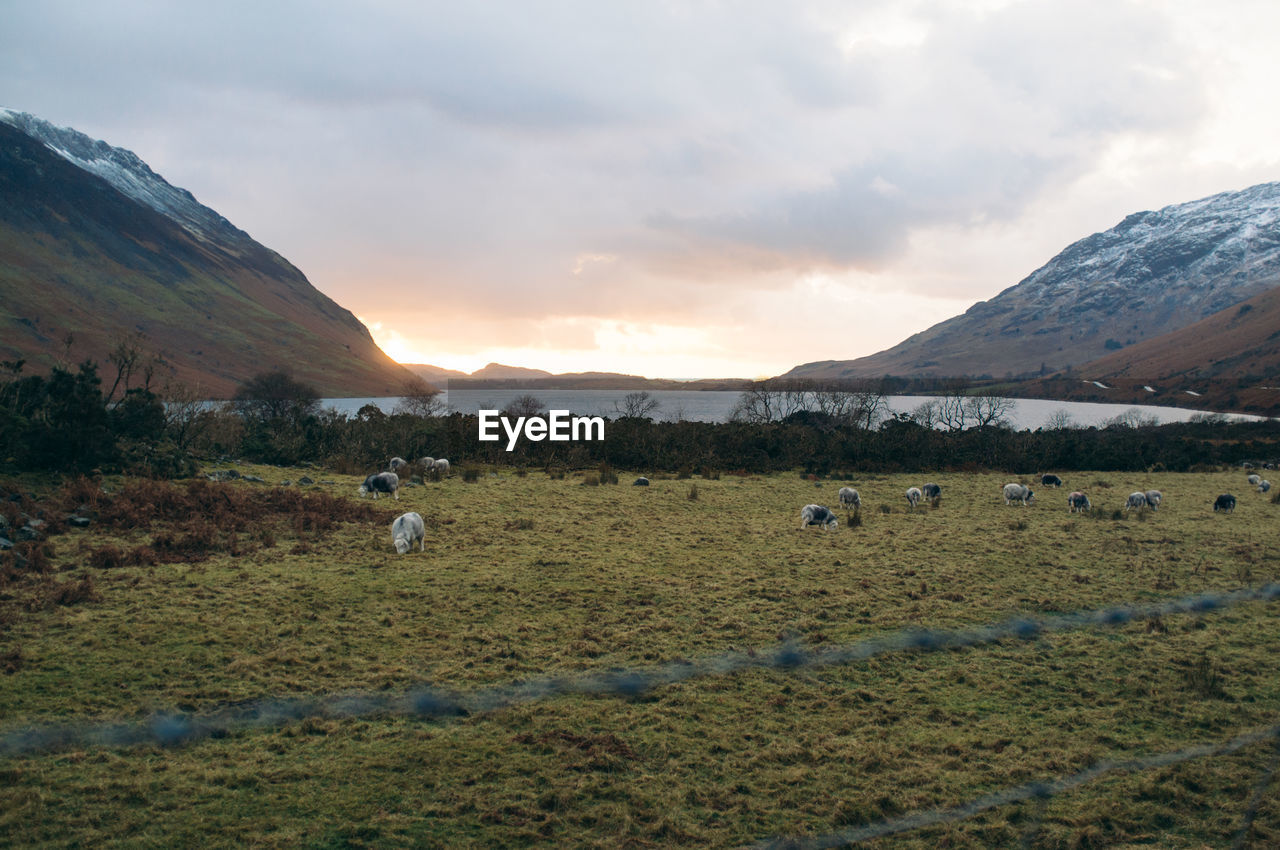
(81, 256)
(1228, 361)
(1153, 273)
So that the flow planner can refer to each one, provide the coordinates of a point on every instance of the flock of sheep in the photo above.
(1077, 502)
(409, 528)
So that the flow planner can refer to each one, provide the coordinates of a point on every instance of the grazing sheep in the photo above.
(1050, 480)
(849, 498)
(1020, 493)
(913, 497)
(1255, 479)
(1153, 498)
(1225, 502)
(817, 515)
(406, 529)
(1137, 500)
(1078, 502)
(442, 466)
(640, 482)
(1264, 485)
(931, 491)
(381, 482)
(424, 465)
(396, 464)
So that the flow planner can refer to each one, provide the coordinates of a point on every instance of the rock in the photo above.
(78, 521)
(253, 479)
(5, 544)
(27, 533)
(286, 483)
(329, 483)
(305, 480)
(640, 482)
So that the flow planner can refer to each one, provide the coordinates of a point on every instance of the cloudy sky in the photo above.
(675, 189)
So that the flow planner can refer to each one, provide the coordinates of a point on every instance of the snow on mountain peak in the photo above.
(128, 174)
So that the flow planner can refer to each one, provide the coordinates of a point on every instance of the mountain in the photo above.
(433, 374)
(498, 372)
(1228, 361)
(497, 376)
(96, 245)
(1153, 273)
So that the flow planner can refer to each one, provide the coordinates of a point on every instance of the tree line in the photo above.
(67, 422)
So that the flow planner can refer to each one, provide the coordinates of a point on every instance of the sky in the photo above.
(670, 189)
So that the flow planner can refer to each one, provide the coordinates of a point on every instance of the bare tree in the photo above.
(127, 356)
(1060, 420)
(987, 409)
(418, 398)
(187, 413)
(953, 413)
(926, 414)
(768, 401)
(639, 405)
(525, 405)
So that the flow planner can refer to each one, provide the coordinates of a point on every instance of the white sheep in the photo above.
(1137, 501)
(849, 498)
(913, 497)
(406, 529)
(1020, 493)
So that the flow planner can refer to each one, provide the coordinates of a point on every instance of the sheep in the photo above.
(1078, 502)
(1137, 500)
(817, 515)
(1225, 502)
(1050, 480)
(441, 466)
(381, 482)
(1255, 479)
(406, 529)
(1153, 498)
(849, 498)
(913, 497)
(396, 464)
(425, 465)
(931, 491)
(1020, 493)
(1264, 485)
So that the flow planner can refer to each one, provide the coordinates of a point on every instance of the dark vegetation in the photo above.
(64, 422)
(165, 523)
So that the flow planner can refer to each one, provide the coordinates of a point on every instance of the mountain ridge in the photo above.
(82, 257)
(1152, 273)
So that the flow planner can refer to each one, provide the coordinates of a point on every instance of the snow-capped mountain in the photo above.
(124, 170)
(95, 246)
(1151, 274)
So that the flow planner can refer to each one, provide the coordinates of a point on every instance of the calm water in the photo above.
(715, 406)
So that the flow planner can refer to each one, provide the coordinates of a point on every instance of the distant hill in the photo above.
(433, 374)
(498, 372)
(1153, 273)
(95, 245)
(498, 376)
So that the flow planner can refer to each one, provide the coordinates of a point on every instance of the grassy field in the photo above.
(530, 576)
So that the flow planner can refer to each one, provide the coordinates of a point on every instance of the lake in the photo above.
(715, 406)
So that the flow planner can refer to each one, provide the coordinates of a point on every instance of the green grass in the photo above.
(526, 576)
